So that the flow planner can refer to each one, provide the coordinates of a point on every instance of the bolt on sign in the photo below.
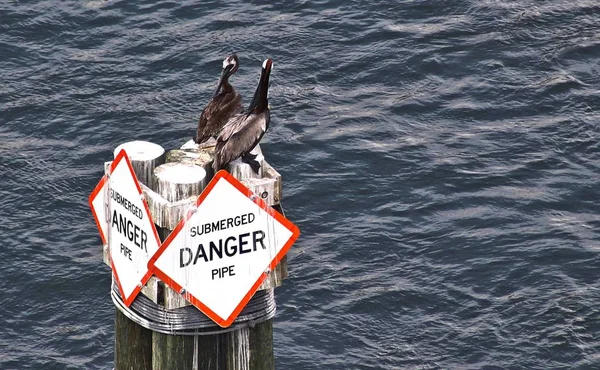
(221, 252)
(124, 222)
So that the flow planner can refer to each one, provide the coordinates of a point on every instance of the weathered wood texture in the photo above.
(243, 171)
(176, 179)
(144, 157)
(200, 155)
(247, 348)
(166, 214)
(173, 352)
(133, 344)
(261, 351)
(242, 349)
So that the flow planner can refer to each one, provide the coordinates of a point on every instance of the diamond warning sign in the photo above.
(222, 251)
(124, 222)
(99, 203)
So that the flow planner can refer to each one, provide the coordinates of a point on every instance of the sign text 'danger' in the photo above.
(211, 249)
(220, 253)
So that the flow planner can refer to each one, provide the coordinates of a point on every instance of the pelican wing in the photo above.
(239, 136)
(216, 114)
(233, 126)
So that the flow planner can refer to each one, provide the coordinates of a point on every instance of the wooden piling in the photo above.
(170, 188)
(145, 157)
(133, 342)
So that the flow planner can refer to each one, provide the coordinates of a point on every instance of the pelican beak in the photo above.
(227, 69)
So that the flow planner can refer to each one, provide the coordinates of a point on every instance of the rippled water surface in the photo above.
(440, 157)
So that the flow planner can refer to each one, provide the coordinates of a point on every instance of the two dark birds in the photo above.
(237, 132)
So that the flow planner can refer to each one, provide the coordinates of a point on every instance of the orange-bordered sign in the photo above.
(225, 247)
(125, 224)
(97, 202)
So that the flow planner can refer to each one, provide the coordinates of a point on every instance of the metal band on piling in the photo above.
(189, 320)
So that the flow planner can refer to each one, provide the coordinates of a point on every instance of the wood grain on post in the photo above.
(171, 182)
(243, 171)
(175, 181)
(144, 157)
(180, 184)
(244, 348)
(167, 215)
(133, 343)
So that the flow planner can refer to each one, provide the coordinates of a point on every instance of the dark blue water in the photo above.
(441, 159)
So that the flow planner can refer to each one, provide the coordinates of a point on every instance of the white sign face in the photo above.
(131, 234)
(221, 252)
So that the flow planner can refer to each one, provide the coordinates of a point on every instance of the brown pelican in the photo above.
(243, 131)
(225, 102)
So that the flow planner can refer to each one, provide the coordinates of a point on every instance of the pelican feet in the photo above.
(251, 160)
